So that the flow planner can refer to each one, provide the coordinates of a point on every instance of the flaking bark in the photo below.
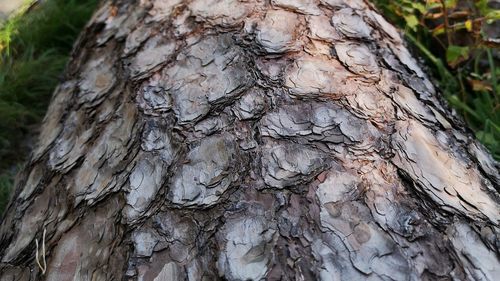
(250, 140)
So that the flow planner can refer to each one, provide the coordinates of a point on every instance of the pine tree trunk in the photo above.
(248, 140)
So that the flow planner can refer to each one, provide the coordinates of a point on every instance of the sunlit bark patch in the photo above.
(314, 75)
(444, 178)
(277, 33)
(302, 6)
(358, 59)
(348, 22)
(225, 13)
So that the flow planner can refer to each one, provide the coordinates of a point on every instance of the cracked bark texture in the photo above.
(250, 140)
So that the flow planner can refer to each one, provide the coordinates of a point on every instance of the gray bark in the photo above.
(250, 140)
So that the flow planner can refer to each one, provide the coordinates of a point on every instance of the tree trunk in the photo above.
(247, 140)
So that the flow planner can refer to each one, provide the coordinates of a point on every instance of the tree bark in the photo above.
(250, 140)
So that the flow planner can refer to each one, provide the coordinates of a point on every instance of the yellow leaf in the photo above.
(468, 25)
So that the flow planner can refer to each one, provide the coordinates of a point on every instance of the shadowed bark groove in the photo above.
(249, 140)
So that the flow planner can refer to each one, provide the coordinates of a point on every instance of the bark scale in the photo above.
(249, 140)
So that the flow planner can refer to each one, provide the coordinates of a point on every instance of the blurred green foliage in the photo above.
(456, 37)
(34, 46)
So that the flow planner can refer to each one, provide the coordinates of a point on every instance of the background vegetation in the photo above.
(458, 40)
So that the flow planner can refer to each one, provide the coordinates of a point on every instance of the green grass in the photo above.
(34, 47)
(449, 35)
